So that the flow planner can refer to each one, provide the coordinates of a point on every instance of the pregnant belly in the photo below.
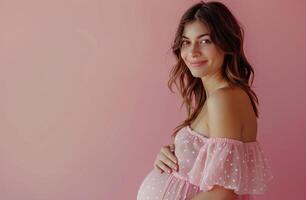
(158, 186)
(153, 186)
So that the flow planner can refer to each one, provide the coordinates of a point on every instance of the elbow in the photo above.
(217, 193)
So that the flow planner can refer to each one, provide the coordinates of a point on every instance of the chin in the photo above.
(197, 75)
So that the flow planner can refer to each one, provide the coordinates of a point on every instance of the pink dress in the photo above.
(204, 162)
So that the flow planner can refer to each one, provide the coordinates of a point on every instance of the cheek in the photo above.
(218, 58)
(183, 55)
(214, 53)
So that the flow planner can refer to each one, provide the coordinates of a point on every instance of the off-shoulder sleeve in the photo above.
(232, 164)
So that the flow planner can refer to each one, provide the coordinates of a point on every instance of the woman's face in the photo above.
(202, 57)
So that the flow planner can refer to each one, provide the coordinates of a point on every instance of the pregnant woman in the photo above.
(215, 155)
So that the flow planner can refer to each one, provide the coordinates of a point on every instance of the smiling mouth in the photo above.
(198, 64)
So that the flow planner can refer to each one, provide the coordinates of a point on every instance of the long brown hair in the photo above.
(227, 33)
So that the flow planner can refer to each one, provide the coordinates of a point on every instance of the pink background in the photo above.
(85, 105)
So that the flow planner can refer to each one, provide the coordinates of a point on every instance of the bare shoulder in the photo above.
(226, 110)
(226, 94)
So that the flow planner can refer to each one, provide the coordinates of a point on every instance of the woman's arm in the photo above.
(224, 121)
(216, 193)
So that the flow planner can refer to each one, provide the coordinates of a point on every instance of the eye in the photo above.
(184, 42)
(206, 41)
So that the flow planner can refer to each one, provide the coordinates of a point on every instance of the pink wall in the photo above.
(84, 103)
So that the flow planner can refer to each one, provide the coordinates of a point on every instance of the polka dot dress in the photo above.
(204, 162)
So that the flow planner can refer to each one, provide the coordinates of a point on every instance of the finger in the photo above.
(167, 161)
(161, 165)
(158, 169)
(169, 154)
(172, 147)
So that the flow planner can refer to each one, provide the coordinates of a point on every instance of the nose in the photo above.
(194, 50)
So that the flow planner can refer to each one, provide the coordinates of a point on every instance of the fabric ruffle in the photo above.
(232, 164)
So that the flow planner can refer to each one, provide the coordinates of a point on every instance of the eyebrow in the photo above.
(198, 36)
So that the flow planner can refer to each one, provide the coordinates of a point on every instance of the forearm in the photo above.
(216, 193)
(206, 196)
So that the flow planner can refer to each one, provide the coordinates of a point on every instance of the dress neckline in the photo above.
(200, 135)
(196, 132)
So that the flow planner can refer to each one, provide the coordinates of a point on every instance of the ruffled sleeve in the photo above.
(232, 164)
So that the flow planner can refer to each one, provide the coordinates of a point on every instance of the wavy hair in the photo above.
(226, 33)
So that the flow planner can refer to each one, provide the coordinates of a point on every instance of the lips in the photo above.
(198, 63)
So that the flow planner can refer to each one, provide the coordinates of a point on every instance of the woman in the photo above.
(215, 154)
